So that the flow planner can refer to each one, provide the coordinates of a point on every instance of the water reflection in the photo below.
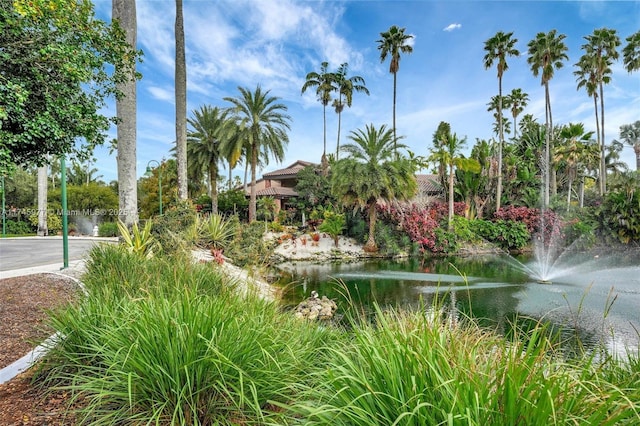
(598, 305)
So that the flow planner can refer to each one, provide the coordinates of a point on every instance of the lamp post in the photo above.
(4, 212)
(149, 173)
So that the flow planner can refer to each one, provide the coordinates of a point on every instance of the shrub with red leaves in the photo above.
(547, 226)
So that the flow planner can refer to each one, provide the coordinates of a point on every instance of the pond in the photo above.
(594, 299)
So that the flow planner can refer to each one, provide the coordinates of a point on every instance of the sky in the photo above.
(275, 43)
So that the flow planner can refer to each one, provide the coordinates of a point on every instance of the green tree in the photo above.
(210, 129)
(601, 51)
(372, 172)
(53, 95)
(312, 187)
(324, 83)
(546, 54)
(516, 100)
(264, 125)
(631, 53)
(630, 135)
(393, 43)
(448, 151)
(498, 48)
(574, 144)
(345, 88)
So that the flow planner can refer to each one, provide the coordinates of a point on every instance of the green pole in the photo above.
(160, 186)
(63, 196)
(4, 211)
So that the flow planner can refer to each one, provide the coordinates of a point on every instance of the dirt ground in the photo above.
(24, 302)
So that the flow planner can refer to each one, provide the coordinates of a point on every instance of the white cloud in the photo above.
(161, 93)
(452, 27)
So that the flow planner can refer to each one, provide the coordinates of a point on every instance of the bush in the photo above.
(333, 224)
(108, 229)
(169, 229)
(507, 234)
(18, 227)
(54, 222)
(248, 246)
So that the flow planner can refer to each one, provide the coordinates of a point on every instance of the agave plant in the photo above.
(216, 231)
(138, 241)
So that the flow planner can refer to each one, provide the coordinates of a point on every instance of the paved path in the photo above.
(23, 254)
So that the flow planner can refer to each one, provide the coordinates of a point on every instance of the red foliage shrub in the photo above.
(547, 226)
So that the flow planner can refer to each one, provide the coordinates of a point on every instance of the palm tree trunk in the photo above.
(553, 179)
(636, 149)
(598, 138)
(546, 162)
(581, 191)
(124, 11)
(181, 103)
(500, 143)
(450, 222)
(252, 194)
(213, 181)
(603, 164)
(370, 246)
(338, 144)
(569, 194)
(395, 138)
(43, 231)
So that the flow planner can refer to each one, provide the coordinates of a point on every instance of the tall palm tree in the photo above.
(516, 100)
(631, 53)
(573, 143)
(498, 48)
(124, 11)
(181, 103)
(210, 130)
(264, 125)
(393, 43)
(601, 49)
(586, 77)
(345, 87)
(630, 134)
(546, 54)
(372, 172)
(324, 83)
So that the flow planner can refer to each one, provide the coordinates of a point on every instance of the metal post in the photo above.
(4, 210)
(63, 196)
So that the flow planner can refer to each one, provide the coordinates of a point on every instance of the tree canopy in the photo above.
(56, 71)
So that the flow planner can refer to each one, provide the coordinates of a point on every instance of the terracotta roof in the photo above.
(429, 184)
(289, 171)
(277, 191)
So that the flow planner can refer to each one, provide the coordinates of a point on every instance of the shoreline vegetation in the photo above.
(172, 341)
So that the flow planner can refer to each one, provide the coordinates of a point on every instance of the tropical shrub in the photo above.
(138, 241)
(248, 246)
(233, 202)
(333, 224)
(547, 226)
(54, 222)
(18, 227)
(108, 229)
(507, 234)
(170, 228)
(215, 231)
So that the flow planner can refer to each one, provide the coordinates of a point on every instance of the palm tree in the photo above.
(574, 142)
(498, 48)
(264, 125)
(546, 54)
(516, 100)
(630, 134)
(181, 103)
(210, 130)
(601, 51)
(124, 11)
(393, 43)
(324, 82)
(631, 53)
(448, 153)
(345, 87)
(372, 172)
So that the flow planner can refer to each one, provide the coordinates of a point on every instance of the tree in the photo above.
(181, 104)
(124, 13)
(574, 143)
(264, 125)
(546, 54)
(393, 43)
(448, 152)
(631, 53)
(601, 51)
(516, 100)
(498, 48)
(345, 87)
(372, 172)
(630, 134)
(53, 95)
(324, 82)
(210, 129)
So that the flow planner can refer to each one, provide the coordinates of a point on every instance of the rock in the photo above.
(315, 308)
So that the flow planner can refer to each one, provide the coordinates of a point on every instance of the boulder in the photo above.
(316, 308)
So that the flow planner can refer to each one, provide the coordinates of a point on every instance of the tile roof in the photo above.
(290, 171)
(429, 184)
(277, 191)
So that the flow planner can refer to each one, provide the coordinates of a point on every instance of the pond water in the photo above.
(593, 297)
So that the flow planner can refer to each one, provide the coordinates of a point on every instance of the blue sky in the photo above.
(275, 43)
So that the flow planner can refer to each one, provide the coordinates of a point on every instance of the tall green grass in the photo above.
(161, 341)
(408, 368)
